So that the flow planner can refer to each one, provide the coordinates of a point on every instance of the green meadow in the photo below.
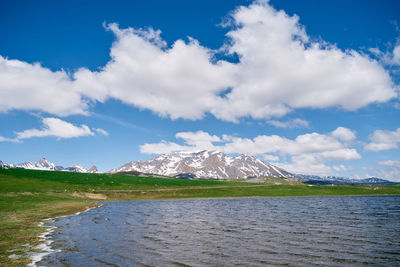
(29, 196)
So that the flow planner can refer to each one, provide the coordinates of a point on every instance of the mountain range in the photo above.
(325, 180)
(202, 164)
(44, 164)
(205, 164)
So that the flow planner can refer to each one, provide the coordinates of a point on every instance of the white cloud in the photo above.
(27, 86)
(179, 82)
(270, 158)
(279, 70)
(341, 154)
(390, 163)
(382, 140)
(344, 134)
(308, 152)
(100, 131)
(388, 57)
(390, 170)
(306, 164)
(194, 141)
(342, 168)
(57, 128)
(396, 55)
(199, 139)
(5, 139)
(164, 148)
(294, 123)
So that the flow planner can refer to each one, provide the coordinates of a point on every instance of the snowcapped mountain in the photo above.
(323, 180)
(374, 180)
(44, 164)
(93, 169)
(204, 164)
(6, 165)
(76, 168)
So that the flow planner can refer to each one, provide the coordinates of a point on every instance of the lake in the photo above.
(299, 231)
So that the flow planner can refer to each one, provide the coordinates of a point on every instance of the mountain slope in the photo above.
(93, 169)
(44, 164)
(329, 180)
(204, 164)
(6, 165)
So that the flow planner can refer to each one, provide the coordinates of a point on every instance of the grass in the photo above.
(28, 196)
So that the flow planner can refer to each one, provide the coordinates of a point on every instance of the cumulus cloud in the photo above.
(100, 131)
(396, 55)
(294, 123)
(5, 139)
(57, 128)
(382, 140)
(279, 69)
(306, 164)
(270, 158)
(179, 82)
(342, 168)
(54, 127)
(344, 134)
(388, 57)
(194, 141)
(390, 163)
(390, 170)
(164, 147)
(25, 86)
(308, 152)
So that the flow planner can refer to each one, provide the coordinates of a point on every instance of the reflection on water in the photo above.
(300, 231)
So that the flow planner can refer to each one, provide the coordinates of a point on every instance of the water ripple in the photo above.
(314, 231)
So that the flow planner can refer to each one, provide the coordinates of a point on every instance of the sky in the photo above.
(309, 86)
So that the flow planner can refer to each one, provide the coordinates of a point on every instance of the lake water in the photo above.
(295, 231)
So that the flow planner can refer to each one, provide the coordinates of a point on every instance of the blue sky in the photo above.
(311, 86)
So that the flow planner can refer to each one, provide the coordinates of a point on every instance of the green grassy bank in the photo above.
(27, 197)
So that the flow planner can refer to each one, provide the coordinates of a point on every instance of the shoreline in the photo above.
(44, 246)
(186, 198)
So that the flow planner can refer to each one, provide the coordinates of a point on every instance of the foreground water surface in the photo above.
(299, 231)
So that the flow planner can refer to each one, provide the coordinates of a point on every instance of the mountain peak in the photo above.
(43, 160)
(78, 166)
(5, 165)
(204, 164)
(44, 164)
(93, 169)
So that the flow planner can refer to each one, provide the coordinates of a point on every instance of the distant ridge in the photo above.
(5, 165)
(44, 164)
(203, 164)
(214, 164)
(324, 180)
(93, 169)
